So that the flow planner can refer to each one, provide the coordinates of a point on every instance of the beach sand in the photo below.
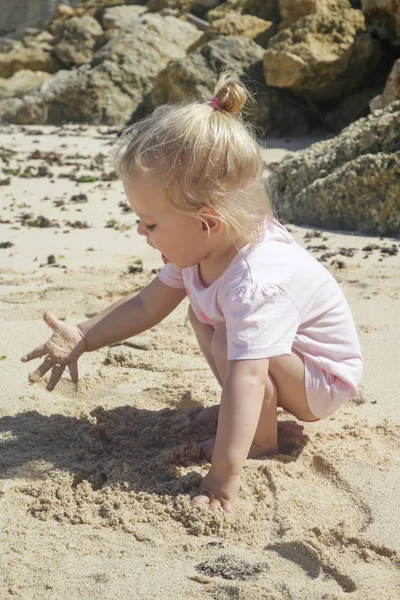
(96, 481)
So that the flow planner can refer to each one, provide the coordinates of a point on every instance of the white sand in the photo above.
(95, 483)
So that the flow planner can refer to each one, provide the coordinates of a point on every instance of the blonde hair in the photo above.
(207, 156)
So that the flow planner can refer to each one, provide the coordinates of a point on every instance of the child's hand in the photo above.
(62, 350)
(218, 490)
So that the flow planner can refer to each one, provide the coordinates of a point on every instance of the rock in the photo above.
(9, 106)
(209, 3)
(383, 18)
(263, 9)
(351, 108)
(33, 54)
(64, 10)
(77, 39)
(391, 91)
(325, 56)
(234, 24)
(363, 195)
(195, 76)
(198, 7)
(16, 16)
(36, 37)
(351, 181)
(118, 17)
(118, 81)
(21, 83)
(293, 11)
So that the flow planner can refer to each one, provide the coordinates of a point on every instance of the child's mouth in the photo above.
(165, 259)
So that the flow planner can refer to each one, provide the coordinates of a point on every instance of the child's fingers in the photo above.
(214, 504)
(200, 499)
(55, 376)
(51, 320)
(36, 353)
(73, 370)
(227, 506)
(42, 369)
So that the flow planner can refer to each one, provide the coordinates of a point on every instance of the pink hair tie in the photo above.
(215, 103)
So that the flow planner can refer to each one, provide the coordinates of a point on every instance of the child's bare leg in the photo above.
(204, 334)
(285, 388)
(266, 436)
(213, 345)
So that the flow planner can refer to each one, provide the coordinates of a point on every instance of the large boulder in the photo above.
(119, 80)
(391, 91)
(235, 25)
(293, 11)
(194, 77)
(352, 108)
(383, 18)
(325, 55)
(9, 105)
(199, 7)
(34, 53)
(15, 16)
(77, 39)
(118, 17)
(349, 182)
(263, 9)
(21, 83)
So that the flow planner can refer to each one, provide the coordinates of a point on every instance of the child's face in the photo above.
(180, 238)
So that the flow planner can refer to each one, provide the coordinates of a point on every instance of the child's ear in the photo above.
(211, 221)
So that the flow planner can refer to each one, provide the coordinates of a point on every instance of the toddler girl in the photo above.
(271, 321)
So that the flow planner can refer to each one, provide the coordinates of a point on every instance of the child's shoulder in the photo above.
(277, 260)
(274, 230)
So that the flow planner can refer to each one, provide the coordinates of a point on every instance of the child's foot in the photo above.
(256, 451)
(208, 415)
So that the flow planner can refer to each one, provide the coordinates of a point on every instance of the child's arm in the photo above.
(131, 315)
(241, 404)
(127, 317)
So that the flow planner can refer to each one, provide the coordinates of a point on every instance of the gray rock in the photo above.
(77, 39)
(119, 17)
(348, 182)
(20, 14)
(117, 82)
(21, 83)
(9, 106)
(363, 195)
(195, 76)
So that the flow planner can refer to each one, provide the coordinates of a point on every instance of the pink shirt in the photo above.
(276, 297)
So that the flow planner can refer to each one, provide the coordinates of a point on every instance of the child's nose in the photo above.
(141, 229)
